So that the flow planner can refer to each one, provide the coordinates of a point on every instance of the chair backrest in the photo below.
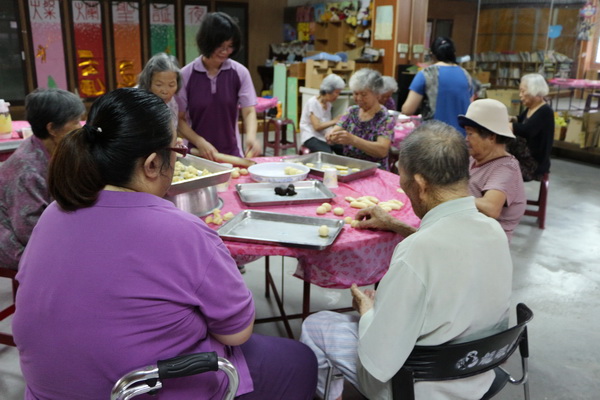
(461, 360)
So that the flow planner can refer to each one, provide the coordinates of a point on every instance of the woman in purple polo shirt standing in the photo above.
(115, 277)
(215, 89)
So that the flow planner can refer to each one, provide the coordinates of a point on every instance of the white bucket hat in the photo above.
(488, 114)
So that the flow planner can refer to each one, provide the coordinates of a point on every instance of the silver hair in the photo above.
(389, 84)
(367, 79)
(331, 83)
(160, 62)
(536, 85)
(436, 151)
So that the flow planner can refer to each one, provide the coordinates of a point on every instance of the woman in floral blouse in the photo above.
(366, 130)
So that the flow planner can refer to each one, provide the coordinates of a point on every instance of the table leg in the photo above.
(267, 273)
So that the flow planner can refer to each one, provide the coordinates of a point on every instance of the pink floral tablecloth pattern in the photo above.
(357, 256)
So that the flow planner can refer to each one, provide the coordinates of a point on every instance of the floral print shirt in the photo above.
(23, 197)
(382, 124)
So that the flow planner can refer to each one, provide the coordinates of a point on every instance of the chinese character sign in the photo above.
(46, 34)
(126, 42)
(193, 14)
(89, 48)
(162, 29)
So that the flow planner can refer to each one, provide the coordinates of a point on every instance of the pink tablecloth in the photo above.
(357, 256)
(574, 83)
(402, 130)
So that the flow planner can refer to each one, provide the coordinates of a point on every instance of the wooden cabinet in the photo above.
(334, 37)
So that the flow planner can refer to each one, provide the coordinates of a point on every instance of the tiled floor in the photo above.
(556, 273)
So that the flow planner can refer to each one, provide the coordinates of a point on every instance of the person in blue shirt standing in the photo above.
(443, 89)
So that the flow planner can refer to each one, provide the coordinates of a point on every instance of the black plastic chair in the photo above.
(462, 360)
(149, 379)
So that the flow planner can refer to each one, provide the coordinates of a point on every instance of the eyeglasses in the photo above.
(180, 149)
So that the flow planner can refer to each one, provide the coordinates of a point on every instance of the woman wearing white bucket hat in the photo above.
(495, 176)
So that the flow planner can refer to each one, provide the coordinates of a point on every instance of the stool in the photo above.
(588, 102)
(303, 151)
(541, 202)
(280, 141)
(5, 338)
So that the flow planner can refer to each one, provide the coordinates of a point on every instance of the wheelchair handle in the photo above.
(187, 365)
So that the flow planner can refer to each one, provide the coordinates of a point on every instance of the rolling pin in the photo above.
(234, 160)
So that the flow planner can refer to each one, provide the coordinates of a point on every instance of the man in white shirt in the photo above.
(450, 281)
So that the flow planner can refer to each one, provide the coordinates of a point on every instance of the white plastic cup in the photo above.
(330, 178)
(26, 132)
(223, 187)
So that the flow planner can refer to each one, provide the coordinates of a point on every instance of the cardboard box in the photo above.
(482, 76)
(317, 70)
(574, 130)
(508, 97)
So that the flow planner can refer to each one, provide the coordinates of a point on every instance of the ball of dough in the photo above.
(321, 210)
(354, 223)
(228, 216)
(338, 211)
(348, 220)
(235, 174)
(243, 171)
(323, 231)
(327, 206)
(358, 204)
(209, 219)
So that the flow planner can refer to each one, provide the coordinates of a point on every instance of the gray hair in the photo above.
(389, 84)
(536, 85)
(160, 62)
(331, 83)
(57, 106)
(436, 151)
(367, 79)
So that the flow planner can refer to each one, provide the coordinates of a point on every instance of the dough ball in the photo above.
(243, 171)
(327, 206)
(354, 223)
(235, 174)
(209, 219)
(228, 216)
(323, 231)
(321, 210)
(358, 204)
(310, 165)
(218, 220)
(349, 199)
(338, 211)
(348, 220)
(355, 169)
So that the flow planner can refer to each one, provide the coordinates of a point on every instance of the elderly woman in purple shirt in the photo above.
(215, 89)
(366, 129)
(115, 277)
(52, 113)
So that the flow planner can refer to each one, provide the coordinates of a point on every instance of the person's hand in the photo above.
(253, 148)
(362, 301)
(340, 137)
(205, 150)
(374, 218)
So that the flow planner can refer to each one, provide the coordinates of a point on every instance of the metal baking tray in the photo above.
(320, 159)
(220, 174)
(263, 194)
(283, 229)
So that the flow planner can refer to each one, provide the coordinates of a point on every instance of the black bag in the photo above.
(528, 164)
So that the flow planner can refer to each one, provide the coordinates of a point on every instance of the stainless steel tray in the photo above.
(284, 229)
(263, 194)
(220, 174)
(320, 159)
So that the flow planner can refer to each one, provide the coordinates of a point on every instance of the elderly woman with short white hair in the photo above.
(536, 123)
(390, 86)
(316, 116)
(366, 129)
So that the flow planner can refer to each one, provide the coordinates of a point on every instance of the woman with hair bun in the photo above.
(115, 277)
(444, 89)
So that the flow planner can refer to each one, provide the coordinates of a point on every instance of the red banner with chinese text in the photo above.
(89, 48)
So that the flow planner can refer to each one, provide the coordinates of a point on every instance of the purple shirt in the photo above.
(212, 103)
(122, 284)
(382, 124)
(503, 174)
(23, 197)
